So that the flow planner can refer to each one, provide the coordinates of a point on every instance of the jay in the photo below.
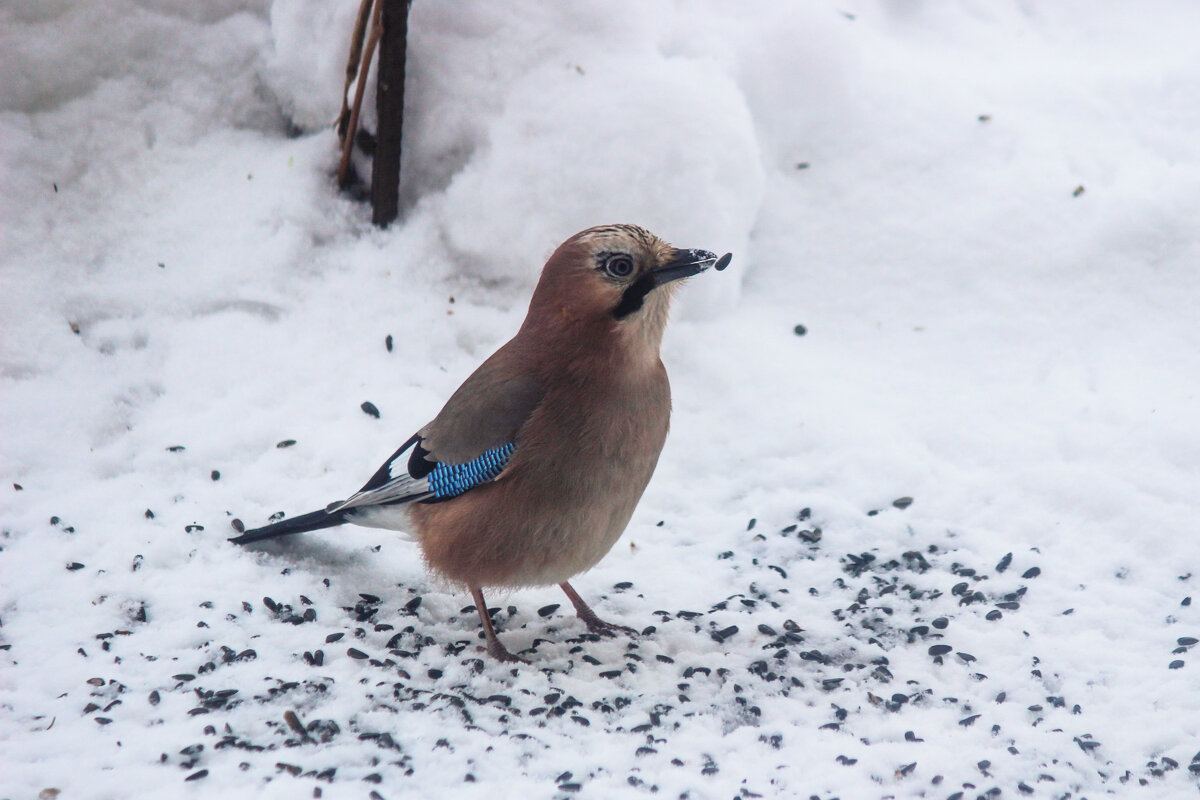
(533, 468)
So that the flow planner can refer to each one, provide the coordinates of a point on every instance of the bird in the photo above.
(531, 471)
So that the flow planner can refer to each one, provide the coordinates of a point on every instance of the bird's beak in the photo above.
(687, 263)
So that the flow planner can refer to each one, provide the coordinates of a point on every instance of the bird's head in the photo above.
(616, 276)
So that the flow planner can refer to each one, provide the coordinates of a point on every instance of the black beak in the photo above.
(683, 264)
(687, 263)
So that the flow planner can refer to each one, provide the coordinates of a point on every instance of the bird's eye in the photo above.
(619, 265)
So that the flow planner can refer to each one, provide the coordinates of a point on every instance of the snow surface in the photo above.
(983, 214)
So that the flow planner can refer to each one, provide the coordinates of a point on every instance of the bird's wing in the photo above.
(469, 443)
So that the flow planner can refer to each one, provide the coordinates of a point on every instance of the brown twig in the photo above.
(352, 64)
(364, 70)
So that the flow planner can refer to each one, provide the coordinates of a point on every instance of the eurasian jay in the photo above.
(532, 470)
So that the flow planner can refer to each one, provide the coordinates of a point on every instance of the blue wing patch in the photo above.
(451, 480)
(426, 480)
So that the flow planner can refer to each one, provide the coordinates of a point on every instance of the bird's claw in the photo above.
(608, 629)
(502, 654)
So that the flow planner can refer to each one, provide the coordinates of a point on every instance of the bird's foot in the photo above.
(602, 628)
(494, 648)
(594, 623)
(502, 654)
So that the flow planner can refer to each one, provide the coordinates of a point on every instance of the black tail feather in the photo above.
(312, 521)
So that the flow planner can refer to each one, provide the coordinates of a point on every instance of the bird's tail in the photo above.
(312, 521)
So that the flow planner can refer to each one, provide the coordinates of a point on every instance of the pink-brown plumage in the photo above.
(572, 413)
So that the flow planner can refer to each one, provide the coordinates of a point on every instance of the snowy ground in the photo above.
(983, 214)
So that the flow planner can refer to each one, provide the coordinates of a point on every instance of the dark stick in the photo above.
(389, 102)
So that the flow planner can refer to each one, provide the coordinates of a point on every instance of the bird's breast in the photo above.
(580, 467)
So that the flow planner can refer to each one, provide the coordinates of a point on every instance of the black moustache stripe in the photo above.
(634, 296)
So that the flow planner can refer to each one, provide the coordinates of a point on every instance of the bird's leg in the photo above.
(494, 648)
(594, 623)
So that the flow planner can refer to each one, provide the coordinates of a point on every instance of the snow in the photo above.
(982, 214)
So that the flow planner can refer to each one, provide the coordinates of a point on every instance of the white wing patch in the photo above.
(405, 487)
